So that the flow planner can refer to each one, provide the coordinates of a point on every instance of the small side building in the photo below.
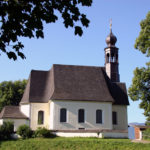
(13, 114)
(136, 131)
(139, 131)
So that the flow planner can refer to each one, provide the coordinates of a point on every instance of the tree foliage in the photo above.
(43, 132)
(11, 92)
(140, 88)
(146, 134)
(25, 18)
(24, 131)
(6, 129)
(143, 41)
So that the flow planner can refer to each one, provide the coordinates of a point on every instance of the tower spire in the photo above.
(111, 38)
(111, 57)
(110, 25)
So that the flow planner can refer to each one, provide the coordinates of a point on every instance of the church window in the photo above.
(63, 115)
(112, 57)
(81, 116)
(114, 117)
(107, 58)
(98, 116)
(41, 117)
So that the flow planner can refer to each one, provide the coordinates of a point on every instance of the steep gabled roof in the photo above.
(12, 112)
(68, 82)
(39, 87)
(118, 91)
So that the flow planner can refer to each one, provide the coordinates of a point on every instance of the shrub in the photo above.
(146, 134)
(24, 131)
(43, 132)
(6, 129)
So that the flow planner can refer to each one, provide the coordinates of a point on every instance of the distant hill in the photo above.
(136, 123)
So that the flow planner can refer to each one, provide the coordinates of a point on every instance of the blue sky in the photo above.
(61, 46)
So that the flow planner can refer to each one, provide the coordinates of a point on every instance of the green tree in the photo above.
(140, 87)
(11, 92)
(142, 43)
(25, 18)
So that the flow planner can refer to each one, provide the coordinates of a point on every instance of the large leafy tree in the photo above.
(142, 43)
(140, 87)
(11, 92)
(25, 18)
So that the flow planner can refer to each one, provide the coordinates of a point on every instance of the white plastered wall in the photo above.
(93, 134)
(35, 108)
(122, 123)
(51, 126)
(72, 115)
(17, 122)
(1, 121)
(108, 71)
(115, 135)
(25, 109)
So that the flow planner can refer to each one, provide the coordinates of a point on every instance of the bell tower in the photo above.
(111, 57)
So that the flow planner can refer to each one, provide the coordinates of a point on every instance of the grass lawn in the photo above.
(60, 143)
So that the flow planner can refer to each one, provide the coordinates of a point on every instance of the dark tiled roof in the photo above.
(40, 87)
(12, 112)
(68, 82)
(118, 91)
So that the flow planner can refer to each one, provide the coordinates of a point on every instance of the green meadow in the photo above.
(60, 143)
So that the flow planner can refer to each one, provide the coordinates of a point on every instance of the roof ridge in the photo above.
(39, 70)
(29, 88)
(26, 91)
(78, 65)
(52, 76)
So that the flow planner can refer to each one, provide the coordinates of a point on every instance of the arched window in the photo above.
(63, 115)
(112, 57)
(41, 117)
(98, 116)
(107, 58)
(81, 116)
(114, 117)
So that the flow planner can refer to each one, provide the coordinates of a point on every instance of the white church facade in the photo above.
(75, 100)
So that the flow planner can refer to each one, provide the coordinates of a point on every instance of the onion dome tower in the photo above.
(111, 57)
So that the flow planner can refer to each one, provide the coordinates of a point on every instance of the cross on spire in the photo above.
(111, 25)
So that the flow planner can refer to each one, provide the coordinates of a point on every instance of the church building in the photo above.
(73, 100)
